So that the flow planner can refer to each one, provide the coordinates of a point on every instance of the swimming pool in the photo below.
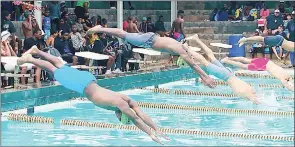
(33, 134)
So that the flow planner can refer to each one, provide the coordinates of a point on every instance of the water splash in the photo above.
(268, 100)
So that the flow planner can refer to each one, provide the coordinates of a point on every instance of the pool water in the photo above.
(32, 134)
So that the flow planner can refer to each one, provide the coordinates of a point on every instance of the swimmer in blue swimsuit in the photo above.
(277, 40)
(151, 40)
(215, 68)
(85, 83)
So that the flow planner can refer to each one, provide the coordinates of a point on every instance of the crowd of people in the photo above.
(250, 11)
(66, 33)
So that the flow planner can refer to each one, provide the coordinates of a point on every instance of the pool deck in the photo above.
(53, 92)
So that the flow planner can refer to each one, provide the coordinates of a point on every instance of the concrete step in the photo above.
(190, 5)
(194, 30)
(193, 18)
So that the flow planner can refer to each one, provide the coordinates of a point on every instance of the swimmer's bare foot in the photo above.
(224, 60)
(156, 139)
(24, 59)
(242, 41)
(94, 29)
(33, 50)
(194, 37)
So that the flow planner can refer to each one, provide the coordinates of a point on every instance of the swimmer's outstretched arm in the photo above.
(251, 40)
(147, 120)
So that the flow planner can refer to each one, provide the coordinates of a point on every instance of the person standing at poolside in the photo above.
(151, 40)
(262, 64)
(132, 27)
(71, 79)
(177, 27)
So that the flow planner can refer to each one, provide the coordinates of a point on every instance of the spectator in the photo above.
(223, 13)
(50, 40)
(35, 25)
(7, 25)
(253, 14)
(281, 6)
(104, 23)
(46, 24)
(289, 18)
(65, 46)
(126, 23)
(81, 8)
(66, 18)
(98, 21)
(238, 13)
(27, 25)
(159, 25)
(87, 22)
(40, 43)
(291, 36)
(150, 25)
(143, 25)
(264, 12)
(281, 33)
(213, 14)
(273, 22)
(77, 39)
(246, 13)
(36, 39)
(117, 52)
(79, 25)
(63, 26)
(54, 9)
(97, 46)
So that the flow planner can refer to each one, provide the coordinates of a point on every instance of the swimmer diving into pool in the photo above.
(151, 40)
(277, 40)
(262, 64)
(214, 67)
(71, 79)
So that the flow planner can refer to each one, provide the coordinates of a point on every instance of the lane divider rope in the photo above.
(177, 131)
(200, 93)
(255, 75)
(27, 118)
(215, 109)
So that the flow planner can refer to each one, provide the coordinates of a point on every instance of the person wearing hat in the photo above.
(7, 25)
(273, 22)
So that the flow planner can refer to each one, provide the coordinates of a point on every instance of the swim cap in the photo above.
(125, 119)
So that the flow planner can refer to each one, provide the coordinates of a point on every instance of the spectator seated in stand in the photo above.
(64, 45)
(97, 45)
(273, 22)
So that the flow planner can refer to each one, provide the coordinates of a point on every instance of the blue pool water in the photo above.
(29, 134)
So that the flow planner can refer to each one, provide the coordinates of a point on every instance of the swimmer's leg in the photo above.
(240, 59)
(50, 58)
(147, 120)
(171, 44)
(234, 63)
(45, 65)
(251, 40)
(110, 31)
(206, 49)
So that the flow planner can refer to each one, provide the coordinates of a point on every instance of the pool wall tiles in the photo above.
(52, 94)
